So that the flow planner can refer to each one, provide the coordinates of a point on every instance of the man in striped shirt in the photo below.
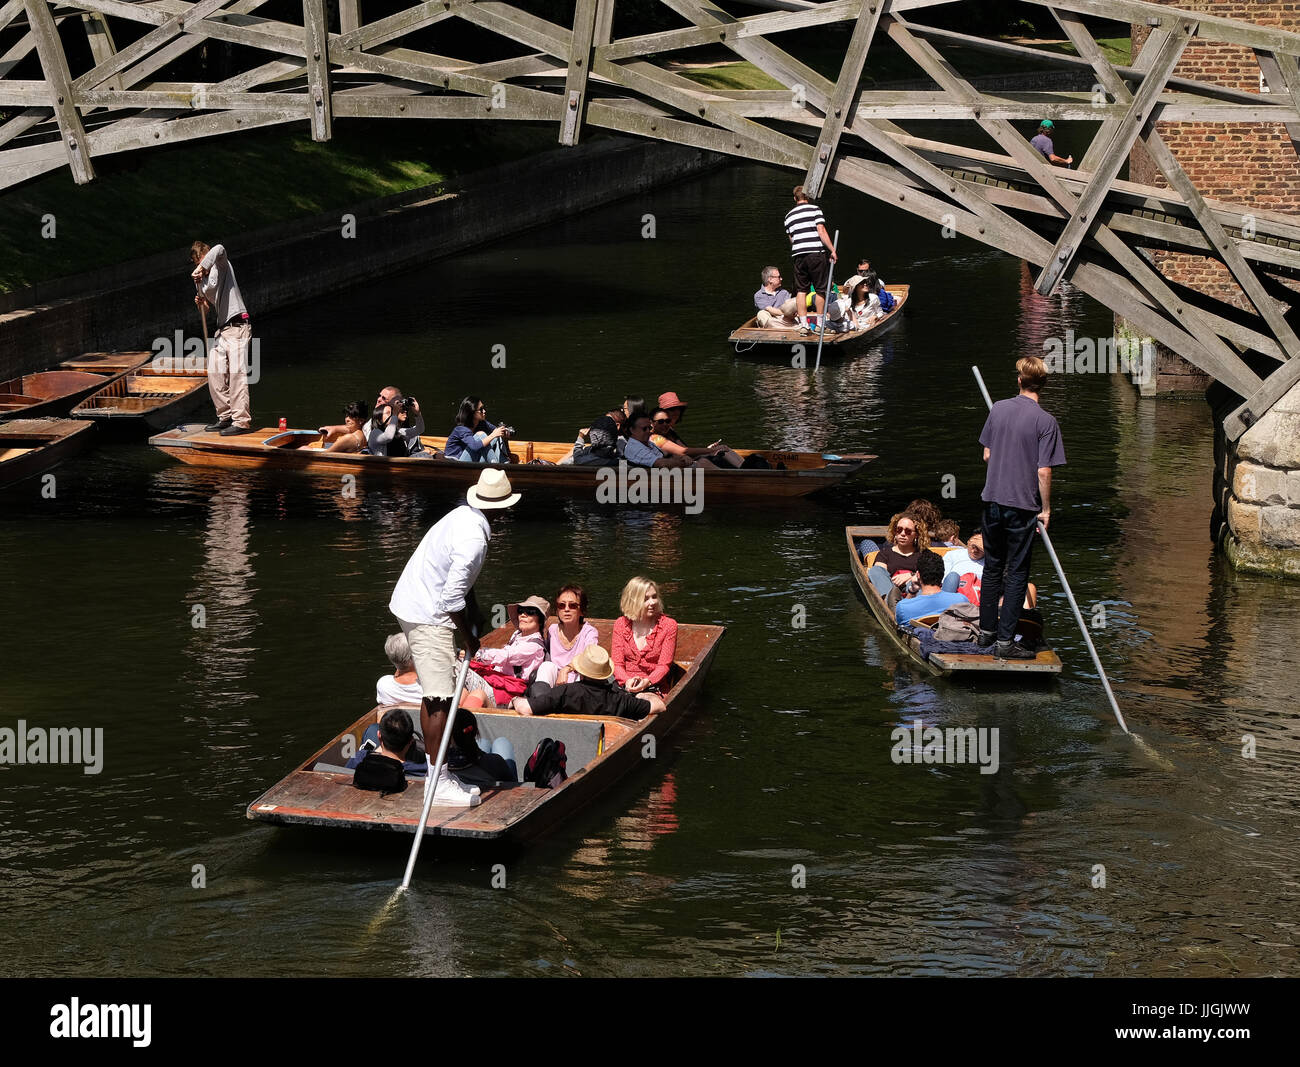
(813, 253)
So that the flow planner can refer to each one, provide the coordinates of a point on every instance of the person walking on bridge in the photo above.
(813, 253)
(1043, 142)
(214, 278)
(1022, 443)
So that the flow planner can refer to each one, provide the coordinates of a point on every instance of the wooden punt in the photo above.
(110, 363)
(33, 446)
(751, 335)
(55, 391)
(806, 472)
(151, 398)
(602, 750)
(973, 664)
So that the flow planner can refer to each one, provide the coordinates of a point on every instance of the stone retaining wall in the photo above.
(130, 304)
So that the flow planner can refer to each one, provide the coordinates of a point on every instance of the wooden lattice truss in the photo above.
(1082, 224)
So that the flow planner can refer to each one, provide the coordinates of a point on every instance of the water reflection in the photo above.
(223, 618)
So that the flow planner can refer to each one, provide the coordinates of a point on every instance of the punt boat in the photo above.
(272, 449)
(766, 339)
(55, 391)
(601, 751)
(906, 640)
(33, 446)
(150, 398)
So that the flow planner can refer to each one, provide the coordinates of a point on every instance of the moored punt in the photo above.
(33, 446)
(148, 399)
(110, 363)
(752, 335)
(601, 750)
(806, 472)
(904, 638)
(48, 392)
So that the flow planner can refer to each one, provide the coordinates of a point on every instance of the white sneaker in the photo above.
(451, 792)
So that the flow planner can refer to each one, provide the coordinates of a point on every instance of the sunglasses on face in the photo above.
(568, 605)
(907, 529)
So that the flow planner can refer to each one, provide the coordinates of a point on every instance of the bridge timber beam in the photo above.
(1086, 226)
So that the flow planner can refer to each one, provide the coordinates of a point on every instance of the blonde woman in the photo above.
(645, 639)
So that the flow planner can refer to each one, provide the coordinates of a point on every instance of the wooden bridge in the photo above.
(90, 90)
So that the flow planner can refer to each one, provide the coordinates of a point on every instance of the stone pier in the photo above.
(1257, 492)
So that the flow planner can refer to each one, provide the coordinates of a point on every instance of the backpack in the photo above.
(548, 764)
(958, 624)
(887, 301)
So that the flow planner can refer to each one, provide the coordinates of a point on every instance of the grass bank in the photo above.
(158, 199)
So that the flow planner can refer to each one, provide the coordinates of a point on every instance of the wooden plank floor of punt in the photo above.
(1046, 662)
(274, 449)
(519, 812)
(32, 446)
(751, 334)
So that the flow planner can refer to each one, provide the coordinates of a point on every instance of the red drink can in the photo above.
(284, 423)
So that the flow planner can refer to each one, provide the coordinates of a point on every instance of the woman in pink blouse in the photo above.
(567, 637)
(645, 639)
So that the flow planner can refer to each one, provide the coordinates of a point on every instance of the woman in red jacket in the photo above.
(645, 639)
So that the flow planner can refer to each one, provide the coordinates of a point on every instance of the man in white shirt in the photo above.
(214, 280)
(431, 602)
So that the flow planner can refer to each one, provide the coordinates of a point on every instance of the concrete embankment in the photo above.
(133, 303)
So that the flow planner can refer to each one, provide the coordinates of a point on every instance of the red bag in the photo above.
(969, 587)
(505, 687)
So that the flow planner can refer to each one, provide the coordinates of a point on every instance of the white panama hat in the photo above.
(492, 491)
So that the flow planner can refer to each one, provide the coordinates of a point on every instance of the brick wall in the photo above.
(1251, 164)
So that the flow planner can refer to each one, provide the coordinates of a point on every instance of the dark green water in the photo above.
(687, 867)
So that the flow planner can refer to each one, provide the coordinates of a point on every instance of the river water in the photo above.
(774, 834)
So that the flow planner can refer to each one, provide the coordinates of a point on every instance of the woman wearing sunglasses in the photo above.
(895, 564)
(566, 637)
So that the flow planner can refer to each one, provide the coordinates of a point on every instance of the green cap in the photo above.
(1046, 124)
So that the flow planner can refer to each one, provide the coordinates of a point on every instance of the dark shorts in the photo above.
(811, 271)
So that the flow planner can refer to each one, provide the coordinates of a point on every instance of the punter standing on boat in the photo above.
(214, 278)
(1022, 443)
(813, 253)
(432, 601)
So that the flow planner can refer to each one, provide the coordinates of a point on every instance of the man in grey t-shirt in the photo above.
(1022, 443)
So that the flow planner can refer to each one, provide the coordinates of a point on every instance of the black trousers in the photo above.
(1008, 551)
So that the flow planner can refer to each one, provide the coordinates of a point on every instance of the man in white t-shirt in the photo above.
(960, 561)
(431, 602)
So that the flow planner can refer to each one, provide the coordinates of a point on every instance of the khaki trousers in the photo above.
(228, 374)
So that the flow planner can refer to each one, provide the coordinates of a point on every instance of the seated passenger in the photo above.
(472, 765)
(717, 454)
(395, 426)
(931, 600)
(592, 694)
(895, 564)
(510, 668)
(598, 443)
(402, 686)
(946, 534)
(384, 767)
(567, 637)
(641, 452)
(922, 509)
(864, 268)
(864, 306)
(350, 435)
(475, 440)
(644, 640)
(963, 561)
(775, 305)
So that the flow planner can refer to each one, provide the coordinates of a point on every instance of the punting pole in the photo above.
(432, 781)
(835, 241)
(1060, 573)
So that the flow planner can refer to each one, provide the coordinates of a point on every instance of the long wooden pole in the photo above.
(431, 783)
(835, 243)
(1069, 595)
